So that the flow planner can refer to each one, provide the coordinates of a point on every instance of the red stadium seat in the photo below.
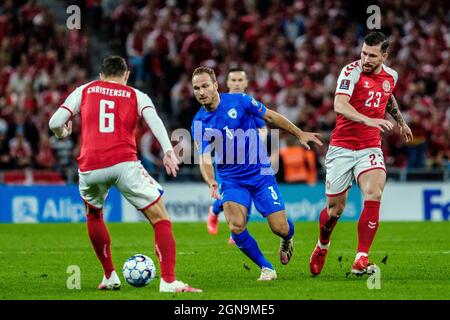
(45, 177)
(14, 177)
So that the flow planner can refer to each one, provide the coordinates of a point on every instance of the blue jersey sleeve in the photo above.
(259, 122)
(253, 106)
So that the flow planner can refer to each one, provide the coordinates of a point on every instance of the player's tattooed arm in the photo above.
(393, 109)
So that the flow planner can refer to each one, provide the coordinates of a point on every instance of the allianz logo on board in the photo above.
(27, 209)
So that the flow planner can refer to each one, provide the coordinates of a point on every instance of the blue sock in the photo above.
(217, 207)
(247, 244)
(291, 230)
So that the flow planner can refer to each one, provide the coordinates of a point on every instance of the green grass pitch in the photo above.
(413, 258)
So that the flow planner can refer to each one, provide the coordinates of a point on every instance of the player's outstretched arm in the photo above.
(393, 109)
(207, 171)
(60, 124)
(278, 120)
(343, 107)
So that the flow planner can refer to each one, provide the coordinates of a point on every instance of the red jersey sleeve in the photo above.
(348, 78)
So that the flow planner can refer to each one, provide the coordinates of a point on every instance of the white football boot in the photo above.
(267, 274)
(113, 283)
(176, 286)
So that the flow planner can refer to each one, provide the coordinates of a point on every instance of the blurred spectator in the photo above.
(289, 107)
(211, 24)
(4, 146)
(26, 128)
(45, 158)
(20, 150)
(135, 52)
(181, 92)
(299, 164)
(62, 148)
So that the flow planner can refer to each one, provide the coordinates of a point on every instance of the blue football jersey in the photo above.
(232, 133)
(259, 122)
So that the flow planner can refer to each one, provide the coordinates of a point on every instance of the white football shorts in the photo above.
(342, 165)
(130, 177)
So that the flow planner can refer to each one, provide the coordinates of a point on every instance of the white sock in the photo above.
(323, 246)
(361, 254)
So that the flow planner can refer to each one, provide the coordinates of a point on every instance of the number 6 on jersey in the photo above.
(106, 119)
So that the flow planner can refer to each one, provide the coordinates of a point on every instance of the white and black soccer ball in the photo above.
(139, 270)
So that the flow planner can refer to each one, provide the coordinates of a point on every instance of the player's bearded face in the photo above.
(205, 90)
(371, 58)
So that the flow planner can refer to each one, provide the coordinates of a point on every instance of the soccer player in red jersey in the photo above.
(109, 111)
(363, 94)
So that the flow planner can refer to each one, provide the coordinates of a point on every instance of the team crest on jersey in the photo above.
(345, 84)
(232, 113)
(386, 86)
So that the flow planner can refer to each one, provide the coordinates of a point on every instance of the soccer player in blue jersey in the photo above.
(225, 124)
(237, 82)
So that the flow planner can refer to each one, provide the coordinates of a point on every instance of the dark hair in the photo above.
(206, 70)
(375, 38)
(235, 70)
(113, 66)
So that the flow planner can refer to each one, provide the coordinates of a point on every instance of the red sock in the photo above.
(368, 225)
(327, 224)
(165, 249)
(99, 235)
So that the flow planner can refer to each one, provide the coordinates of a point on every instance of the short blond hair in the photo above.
(206, 70)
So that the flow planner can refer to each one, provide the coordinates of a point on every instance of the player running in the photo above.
(242, 163)
(237, 82)
(363, 90)
(109, 111)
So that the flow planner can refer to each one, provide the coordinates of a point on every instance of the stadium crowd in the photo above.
(292, 52)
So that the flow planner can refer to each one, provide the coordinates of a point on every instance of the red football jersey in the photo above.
(109, 114)
(369, 94)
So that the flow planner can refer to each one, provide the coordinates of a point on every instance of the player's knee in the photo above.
(374, 193)
(156, 213)
(335, 209)
(236, 227)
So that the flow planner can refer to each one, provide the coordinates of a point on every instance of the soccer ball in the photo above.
(139, 270)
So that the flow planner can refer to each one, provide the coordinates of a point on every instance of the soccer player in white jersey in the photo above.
(363, 91)
(109, 111)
